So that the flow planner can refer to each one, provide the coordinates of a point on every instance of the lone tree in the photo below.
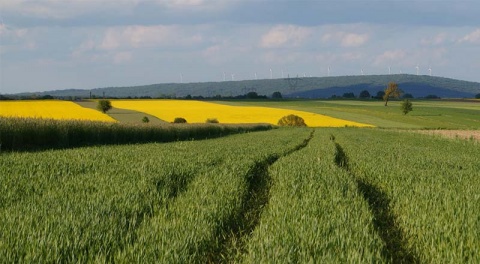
(391, 91)
(291, 120)
(104, 105)
(406, 106)
(477, 96)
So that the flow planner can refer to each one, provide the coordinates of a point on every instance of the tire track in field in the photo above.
(234, 237)
(384, 221)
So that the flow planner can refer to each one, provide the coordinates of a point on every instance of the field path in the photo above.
(462, 134)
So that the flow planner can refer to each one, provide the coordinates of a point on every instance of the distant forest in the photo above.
(416, 86)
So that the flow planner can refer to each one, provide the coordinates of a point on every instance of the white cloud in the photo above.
(473, 37)
(354, 40)
(147, 36)
(60, 9)
(122, 57)
(390, 56)
(16, 39)
(436, 40)
(346, 39)
(281, 36)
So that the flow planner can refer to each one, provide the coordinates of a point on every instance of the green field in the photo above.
(344, 195)
(426, 114)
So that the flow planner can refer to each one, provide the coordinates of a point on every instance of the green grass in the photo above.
(430, 184)
(425, 114)
(343, 195)
(168, 203)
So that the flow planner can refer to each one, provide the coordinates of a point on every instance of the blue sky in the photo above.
(84, 44)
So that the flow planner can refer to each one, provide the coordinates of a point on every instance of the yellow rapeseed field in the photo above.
(199, 112)
(51, 109)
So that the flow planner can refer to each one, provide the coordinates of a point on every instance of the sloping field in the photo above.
(51, 109)
(199, 112)
(345, 195)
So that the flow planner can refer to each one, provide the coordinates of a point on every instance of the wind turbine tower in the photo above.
(271, 74)
(256, 76)
(430, 71)
(389, 70)
(224, 77)
(328, 71)
(233, 76)
(417, 69)
(181, 77)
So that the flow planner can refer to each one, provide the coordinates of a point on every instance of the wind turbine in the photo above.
(282, 74)
(233, 76)
(417, 69)
(181, 77)
(389, 70)
(430, 71)
(256, 76)
(224, 78)
(328, 71)
(271, 74)
(361, 71)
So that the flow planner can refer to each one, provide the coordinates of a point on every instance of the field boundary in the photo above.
(384, 220)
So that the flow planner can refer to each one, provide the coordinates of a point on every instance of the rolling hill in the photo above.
(309, 87)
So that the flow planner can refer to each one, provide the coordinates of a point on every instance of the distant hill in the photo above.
(309, 87)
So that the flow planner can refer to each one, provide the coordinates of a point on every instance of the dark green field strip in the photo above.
(27, 134)
(428, 186)
(315, 213)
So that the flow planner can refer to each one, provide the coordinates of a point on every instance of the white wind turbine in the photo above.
(328, 71)
(389, 70)
(271, 74)
(233, 76)
(430, 71)
(224, 76)
(417, 69)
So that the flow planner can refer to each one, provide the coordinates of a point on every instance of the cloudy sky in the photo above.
(83, 44)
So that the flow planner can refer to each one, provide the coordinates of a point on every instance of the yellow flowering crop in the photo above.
(51, 109)
(199, 112)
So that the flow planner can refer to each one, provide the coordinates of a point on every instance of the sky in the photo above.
(84, 44)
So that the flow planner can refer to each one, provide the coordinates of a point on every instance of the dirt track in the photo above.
(462, 134)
